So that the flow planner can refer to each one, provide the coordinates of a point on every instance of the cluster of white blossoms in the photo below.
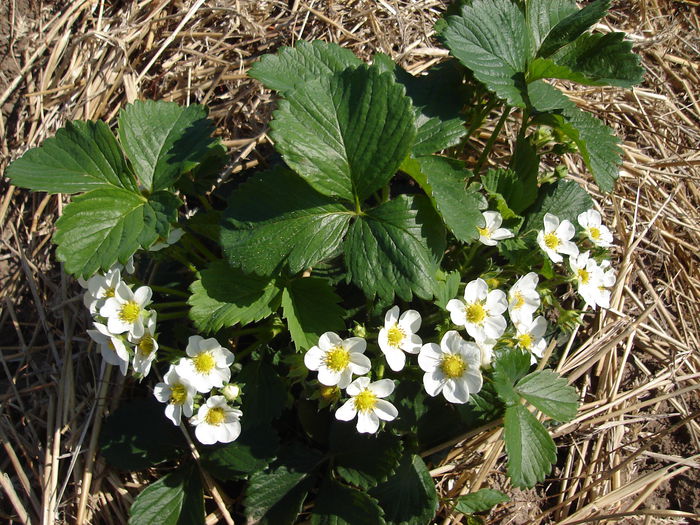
(206, 369)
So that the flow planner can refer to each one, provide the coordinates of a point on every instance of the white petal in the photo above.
(347, 411)
(501, 234)
(565, 230)
(143, 296)
(473, 381)
(162, 392)
(173, 413)
(328, 377)
(355, 344)
(329, 340)
(456, 391)
(458, 313)
(411, 344)
(391, 317)
(345, 378)
(496, 302)
(433, 382)
(538, 327)
(313, 358)
(205, 434)
(568, 248)
(193, 345)
(357, 386)
(429, 357)
(476, 290)
(382, 388)
(551, 222)
(450, 342)
(385, 410)
(410, 321)
(493, 219)
(359, 364)
(395, 358)
(495, 326)
(229, 432)
(367, 422)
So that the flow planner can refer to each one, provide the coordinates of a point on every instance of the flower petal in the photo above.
(347, 411)
(391, 317)
(382, 388)
(433, 382)
(367, 422)
(395, 358)
(355, 345)
(410, 321)
(385, 410)
(313, 358)
(357, 386)
(429, 357)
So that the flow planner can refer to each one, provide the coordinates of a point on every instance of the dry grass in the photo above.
(633, 447)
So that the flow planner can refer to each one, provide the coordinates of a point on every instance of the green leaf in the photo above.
(137, 436)
(340, 505)
(512, 194)
(490, 38)
(446, 288)
(480, 501)
(550, 393)
(508, 367)
(175, 499)
(364, 460)
(345, 134)
(543, 15)
(531, 450)
(526, 164)
(276, 219)
(436, 135)
(459, 205)
(264, 393)
(291, 67)
(224, 296)
(409, 496)
(163, 140)
(565, 198)
(108, 225)
(311, 308)
(395, 249)
(83, 156)
(544, 98)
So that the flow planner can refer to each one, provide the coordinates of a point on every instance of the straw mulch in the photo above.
(630, 456)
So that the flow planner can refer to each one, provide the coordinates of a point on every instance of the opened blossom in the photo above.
(178, 393)
(217, 422)
(100, 288)
(523, 299)
(398, 336)
(145, 347)
(481, 311)
(556, 237)
(530, 336)
(336, 359)
(126, 310)
(207, 364)
(593, 228)
(492, 232)
(589, 280)
(367, 403)
(112, 347)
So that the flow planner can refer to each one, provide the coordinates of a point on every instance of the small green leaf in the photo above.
(395, 249)
(550, 393)
(480, 501)
(544, 98)
(163, 140)
(512, 194)
(446, 287)
(508, 367)
(311, 308)
(531, 450)
(409, 496)
(345, 134)
(224, 296)
(83, 156)
(291, 67)
(276, 219)
(340, 505)
(264, 393)
(565, 198)
(562, 24)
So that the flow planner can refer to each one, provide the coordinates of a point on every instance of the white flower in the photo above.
(592, 226)
(126, 310)
(145, 348)
(608, 280)
(452, 368)
(530, 336)
(174, 236)
(178, 392)
(486, 349)
(589, 280)
(492, 232)
(217, 422)
(336, 359)
(367, 404)
(100, 288)
(556, 238)
(112, 347)
(523, 299)
(399, 336)
(231, 392)
(207, 364)
(480, 312)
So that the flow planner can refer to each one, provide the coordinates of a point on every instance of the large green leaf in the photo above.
(224, 296)
(293, 66)
(565, 198)
(408, 497)
(479, 501)
(311, 308)
(550, 393)
(509, 366)
(395, 249)
(345, 134)
(163, 140)
(531, 450)
(264, 393)
(340, 505)
(490, 38)
(543, 15)
(276, 219)
(83, 156)
(108, 225)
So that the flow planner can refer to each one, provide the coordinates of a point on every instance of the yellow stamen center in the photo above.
(337, 358)
(130, 312)
(595, 232)
(329, 393)
(583, 275)
(551, 241)
(475, 313)
(484, 232)
(178, 394)
(204, 362)
(518, 300)
(453, 366)
(109, 292)
(215, 416)
(365, 401)
(525, 340)
(146, 345)
(395, 335)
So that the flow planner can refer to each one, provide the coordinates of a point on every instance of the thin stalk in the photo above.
(172, 315)
(524, 124)
(168, 291)
(492, 139)
(168, 304)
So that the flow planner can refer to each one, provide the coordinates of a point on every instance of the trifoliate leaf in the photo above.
(408, 497)
(163, 140)
(511, 193)
(459, 205)
(491, 38)
(224, 296)
(479, 501)
(83, 156)
(311, 308)
(264, 393)
(565, 198)
(543, 15)
(531, 450)
(345, 134)
(292, 66)
(395, 249)
(550, 393)
(340, 505)
(108, 225)
(277, 220)
(508, 367)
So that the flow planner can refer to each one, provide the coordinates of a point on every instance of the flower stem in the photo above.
(492, 139)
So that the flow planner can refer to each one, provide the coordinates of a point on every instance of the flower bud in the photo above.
(231, 392)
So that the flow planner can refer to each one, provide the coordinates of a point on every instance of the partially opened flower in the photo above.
(530, 336)
(367, 404)
(112, 347)
(452, 368)
(217, 422)
(594, 229)
(480, 312)
(126, 310)
(399, 336)
(145, 347)
(336, 359)
(492, 232)
(100, 288)
(523, 299)
(556, 237)
(589, 280)
(207, 365)
(178, 392)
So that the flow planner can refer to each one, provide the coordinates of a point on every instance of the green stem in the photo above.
(169, 304)
(524, 125)
(172, 315)
(197, 244)
(168, 291)
(492, 139)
